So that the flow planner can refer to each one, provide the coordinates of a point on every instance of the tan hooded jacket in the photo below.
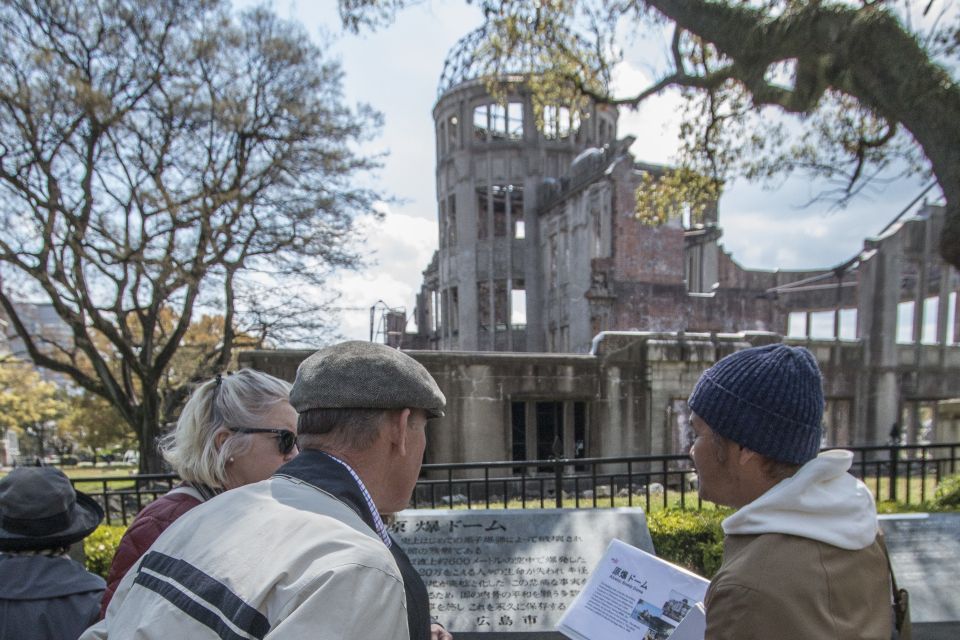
(802, 561)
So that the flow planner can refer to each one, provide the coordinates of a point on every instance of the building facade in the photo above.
(558, 325)
(884, 326)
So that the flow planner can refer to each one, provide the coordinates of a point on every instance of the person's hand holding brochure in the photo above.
(632, 595)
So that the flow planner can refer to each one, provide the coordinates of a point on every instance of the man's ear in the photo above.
(398, 430)
(745, 456)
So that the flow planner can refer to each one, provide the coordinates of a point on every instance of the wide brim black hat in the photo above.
(84, 517)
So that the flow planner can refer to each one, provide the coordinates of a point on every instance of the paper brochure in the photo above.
(632, 595)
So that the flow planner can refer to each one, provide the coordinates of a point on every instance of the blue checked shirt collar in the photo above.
(377, 520)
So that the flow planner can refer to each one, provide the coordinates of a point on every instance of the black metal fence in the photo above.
(907, 474)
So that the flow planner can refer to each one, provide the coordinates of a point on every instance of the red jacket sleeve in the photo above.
(146, 528)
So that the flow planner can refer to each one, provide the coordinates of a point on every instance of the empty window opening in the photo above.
(499, 204)
(931, 310)
(797, 324)
(848, 324)
(480, 124)
(559, 122)
(498, 121)
(952, 331)
(821, 324)
(518, 305)
(905, 322)
(505, 202)
(515, 120)
(435, 311)
(501, 311)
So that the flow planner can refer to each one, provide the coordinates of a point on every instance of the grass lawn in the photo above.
(95, 474)
(913, 491)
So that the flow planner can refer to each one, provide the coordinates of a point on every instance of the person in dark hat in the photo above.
(44, 594)
(802, 556)
(304, 554)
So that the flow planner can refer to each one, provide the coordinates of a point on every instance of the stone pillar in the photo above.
(878, 390)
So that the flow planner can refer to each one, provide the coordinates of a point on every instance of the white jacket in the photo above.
(276, 559)
(821, 502)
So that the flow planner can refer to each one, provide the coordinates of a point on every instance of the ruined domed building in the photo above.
(557, 324)
(486, 282)
(539, 247)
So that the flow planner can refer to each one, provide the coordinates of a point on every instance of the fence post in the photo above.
(894, 468)
(558, 481)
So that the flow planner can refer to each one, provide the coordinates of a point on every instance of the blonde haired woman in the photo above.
(234, 430)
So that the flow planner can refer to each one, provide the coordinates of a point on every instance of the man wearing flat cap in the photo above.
(44, 594)
(802, 556)
(304, 554)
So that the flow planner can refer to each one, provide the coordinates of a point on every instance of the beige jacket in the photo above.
(783, 587)
(802, 561)
(276, 559)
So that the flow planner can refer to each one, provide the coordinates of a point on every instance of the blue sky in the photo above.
(396, 70)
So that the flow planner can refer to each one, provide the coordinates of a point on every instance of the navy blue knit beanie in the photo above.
(768, 399)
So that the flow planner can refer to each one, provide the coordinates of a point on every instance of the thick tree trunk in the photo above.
(148, 433)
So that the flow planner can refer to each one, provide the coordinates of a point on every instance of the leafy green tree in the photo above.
(161, 159)
(29, 405)
(873, 84)
(93, 423)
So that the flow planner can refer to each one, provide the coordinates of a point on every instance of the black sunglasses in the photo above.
(286, 439)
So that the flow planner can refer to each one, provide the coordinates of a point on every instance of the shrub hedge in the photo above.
(99, 547)
(948, 493)
(691, 539)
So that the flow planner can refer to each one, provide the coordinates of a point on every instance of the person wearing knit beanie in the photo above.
(768, 399)
(804, 536)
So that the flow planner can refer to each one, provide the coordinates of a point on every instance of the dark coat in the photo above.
(44, 598)
(152, 520)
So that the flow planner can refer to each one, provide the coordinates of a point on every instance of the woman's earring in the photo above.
(230, 459)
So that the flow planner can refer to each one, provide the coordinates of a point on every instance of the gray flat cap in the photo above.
(365, 375)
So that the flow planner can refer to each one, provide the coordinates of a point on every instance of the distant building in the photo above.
(47, 328)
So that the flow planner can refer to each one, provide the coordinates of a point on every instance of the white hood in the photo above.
(821, 502)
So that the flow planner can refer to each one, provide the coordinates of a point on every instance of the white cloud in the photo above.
(655, 124)
(398, 249)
